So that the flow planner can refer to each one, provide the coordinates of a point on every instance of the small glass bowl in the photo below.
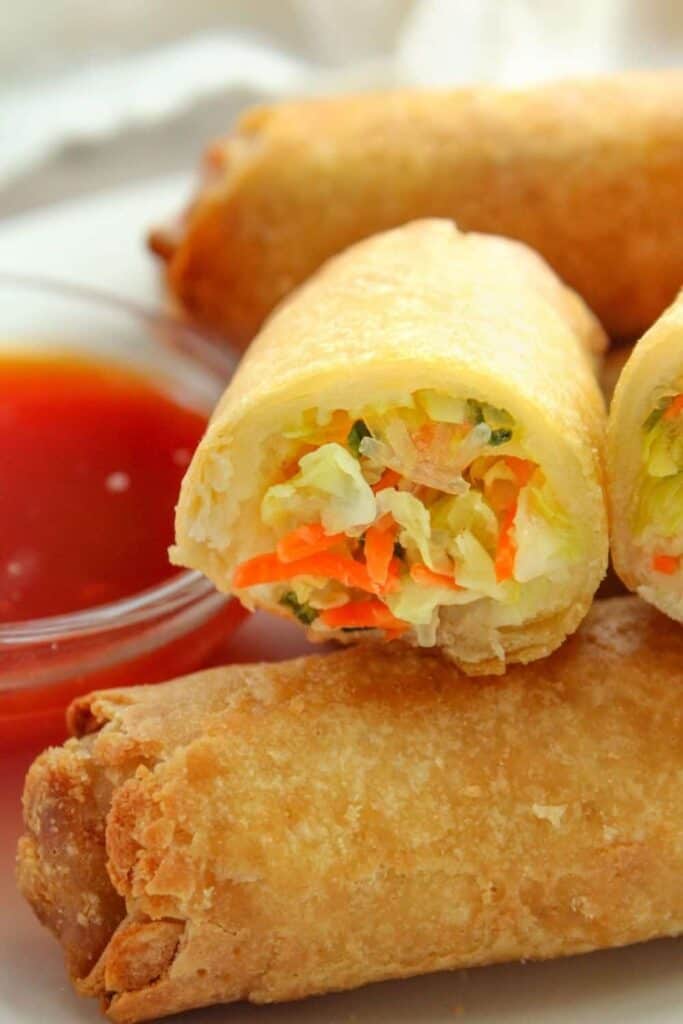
(166, 630)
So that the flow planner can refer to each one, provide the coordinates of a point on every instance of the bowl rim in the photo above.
(214, 351)
(179, 590)
(183, 589)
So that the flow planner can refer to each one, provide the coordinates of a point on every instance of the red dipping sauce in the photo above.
(91, 459)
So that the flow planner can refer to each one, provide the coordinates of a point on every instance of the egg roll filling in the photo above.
(657, 516)
(382, 517)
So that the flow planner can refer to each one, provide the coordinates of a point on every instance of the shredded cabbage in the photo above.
(540, 547)
(329, 488)
(523, 603)
(413, 520)
(416, 604)
(661, 506)
(475, 568)
(663, 448)
(442, 408)
(659, 509)
(468, 512)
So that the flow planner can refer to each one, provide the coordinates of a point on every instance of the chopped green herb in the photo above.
(499, 420)
(356, 434)
(303, 612)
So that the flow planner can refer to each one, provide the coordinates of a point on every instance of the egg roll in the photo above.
(412, 448)
(645, 460)
(266, 832)
(586, 172)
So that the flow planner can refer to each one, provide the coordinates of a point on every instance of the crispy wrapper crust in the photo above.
(655, 361)
(586, 172)
(423, 306)
(285, 829)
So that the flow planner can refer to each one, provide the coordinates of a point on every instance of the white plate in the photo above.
(98, 241)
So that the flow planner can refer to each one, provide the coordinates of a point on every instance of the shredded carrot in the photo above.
(507, 549)
(379, 548)
(338, 427)
(393, 582)
(389, 478)
(372, 614)
(675, 409)
(522, 468)
(305, 541)
(667, 564)
(270, 569)
(426, 577)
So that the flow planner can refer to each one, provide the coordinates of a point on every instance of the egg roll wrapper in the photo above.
(587, 172)
(656, 361)
(422, 306)
(279, 830)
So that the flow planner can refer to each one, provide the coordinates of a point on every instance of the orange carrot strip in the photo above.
(393, 580)
(667, 564)
(339, 426)
(261, 569)
(426, 577)
(306, 540)
(522, 468)
(389, 478)
(372, 614)
(675, 409)
(379, 548)
(270, 569)
(507, 549)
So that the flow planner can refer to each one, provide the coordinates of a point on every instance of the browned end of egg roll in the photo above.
(265, 832)
(586, 172)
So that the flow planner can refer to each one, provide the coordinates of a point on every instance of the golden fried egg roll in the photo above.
(586, 172)
(645, 460)
(412, 447)
(266, 832)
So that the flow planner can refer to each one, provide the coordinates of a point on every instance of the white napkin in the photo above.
(311, 45)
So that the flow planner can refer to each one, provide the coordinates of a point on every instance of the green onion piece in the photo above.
(500, 436)
(356, 434)
(303, 612)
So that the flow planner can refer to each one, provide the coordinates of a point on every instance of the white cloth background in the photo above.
(95, 93)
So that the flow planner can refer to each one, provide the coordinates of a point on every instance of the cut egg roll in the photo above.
(645, 461)
(588, 173)
(267, 832)
(412, 448)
